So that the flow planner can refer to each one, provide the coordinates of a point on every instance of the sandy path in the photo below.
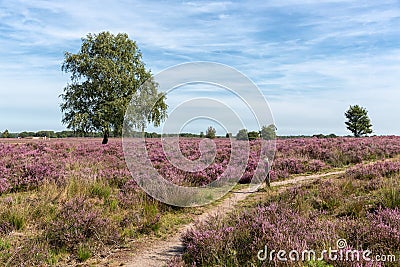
(161, 251)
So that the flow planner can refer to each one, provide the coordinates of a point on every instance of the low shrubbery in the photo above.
(68, 200)
(63, 203)
(308, 217)
(375, 170)
(79, 223)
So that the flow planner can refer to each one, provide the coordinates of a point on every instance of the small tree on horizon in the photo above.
(210, 133)
(358, 121)
(268, 132)
(242, 135)
(5, 134)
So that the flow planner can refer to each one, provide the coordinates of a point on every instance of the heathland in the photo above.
(74, 201)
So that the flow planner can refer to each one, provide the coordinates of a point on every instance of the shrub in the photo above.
(210, 133)
(13, 219)
(29, 252)
(378, 231)
(78, 223)
(253, 135)
(375, 170)
(268, 132)
(217, 241)
(242, 135)
(4, 184)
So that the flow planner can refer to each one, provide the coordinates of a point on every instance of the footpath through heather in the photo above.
(159, 252)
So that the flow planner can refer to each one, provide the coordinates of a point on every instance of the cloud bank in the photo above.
(311, 59)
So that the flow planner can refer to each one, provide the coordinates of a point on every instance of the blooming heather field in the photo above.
(68, 201)
(362, 206)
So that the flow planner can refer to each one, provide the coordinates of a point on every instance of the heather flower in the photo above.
(275, 225)
(79, 222)
(375, 170)
(4, 185)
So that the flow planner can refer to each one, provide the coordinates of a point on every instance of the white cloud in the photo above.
(333, 52)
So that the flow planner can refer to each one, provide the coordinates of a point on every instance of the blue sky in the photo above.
(311, 59)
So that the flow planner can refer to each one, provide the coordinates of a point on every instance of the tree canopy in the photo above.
(106, 74)
(253, 135)
(242, 135)
(5, 134)
(211, 132)
(358, 121)
(268, 132)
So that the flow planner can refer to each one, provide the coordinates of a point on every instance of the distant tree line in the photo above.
(308, 136)
(266, 133)
(66, 134)
(357, 122)
(242, 134)
(48, 134)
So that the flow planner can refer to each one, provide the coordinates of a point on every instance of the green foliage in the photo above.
(4, 244)
(188, 135)
(228, 135)
(83, 253)
(147, 106)
(210, 133)
(152, 135)
(106, 74)
(268, 132)
(325, 136)
(100, 190)
(201, 134)
(390, 196)
(18, 221)
(16, 218)
(26, 134)
(151, 218)
(358, 121)
(253, 135)
(242, 135)
(64, 134)
(79, 223)
(50, 134)
(53, 258)
(29, 252)
(5, 134)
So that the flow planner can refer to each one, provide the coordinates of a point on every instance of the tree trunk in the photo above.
(105, 137)
(268, 180)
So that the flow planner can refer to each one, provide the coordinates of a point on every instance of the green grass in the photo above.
(83, 253)
(100, 190)
(332, 199)
(29, 213)
(32, 212)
